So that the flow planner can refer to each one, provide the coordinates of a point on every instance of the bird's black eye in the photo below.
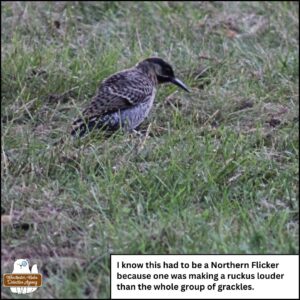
(170, 72)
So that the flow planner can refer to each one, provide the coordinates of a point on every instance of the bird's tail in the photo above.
(79, 128)
(82, 126)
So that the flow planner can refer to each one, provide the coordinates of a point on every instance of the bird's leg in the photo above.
(136, 132)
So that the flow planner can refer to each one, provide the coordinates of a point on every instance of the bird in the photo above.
(125, 99)
(21, 266)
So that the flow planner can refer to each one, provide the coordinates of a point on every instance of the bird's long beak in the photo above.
(180, 84)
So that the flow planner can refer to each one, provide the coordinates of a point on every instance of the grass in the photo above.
(217, 171)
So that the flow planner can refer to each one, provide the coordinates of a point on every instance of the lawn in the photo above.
(212, 171)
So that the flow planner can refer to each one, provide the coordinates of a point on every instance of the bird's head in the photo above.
(163, 71)
(21, 266)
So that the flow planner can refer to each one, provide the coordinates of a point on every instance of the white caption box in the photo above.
(204, 276)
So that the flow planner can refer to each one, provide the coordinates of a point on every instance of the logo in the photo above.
(22, 280)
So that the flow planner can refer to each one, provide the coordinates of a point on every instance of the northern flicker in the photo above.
(125, 98)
